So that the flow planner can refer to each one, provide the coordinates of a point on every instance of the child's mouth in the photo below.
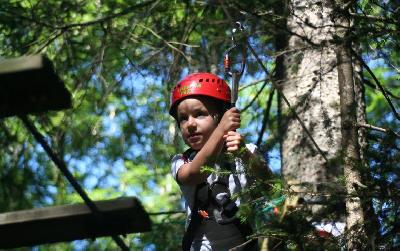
(194, 137)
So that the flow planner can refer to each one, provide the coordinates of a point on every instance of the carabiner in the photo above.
(235, 74)
(227, 60)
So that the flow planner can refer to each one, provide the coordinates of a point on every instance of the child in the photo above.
(200, 105)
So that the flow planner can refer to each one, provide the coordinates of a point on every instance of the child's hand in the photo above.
(230, 121)
(233, 141)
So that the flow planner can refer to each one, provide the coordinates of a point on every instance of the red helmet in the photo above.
(202, 83)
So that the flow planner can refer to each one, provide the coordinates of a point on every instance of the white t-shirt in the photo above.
(211, 235)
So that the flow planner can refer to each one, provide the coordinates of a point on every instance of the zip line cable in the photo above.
(63, 168)
(276, 87)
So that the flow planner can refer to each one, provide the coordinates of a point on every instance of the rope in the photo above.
(63, 168)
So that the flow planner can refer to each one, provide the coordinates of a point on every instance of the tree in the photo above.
(320, 136)
(308, 80)
(318, 70)
(319, 111)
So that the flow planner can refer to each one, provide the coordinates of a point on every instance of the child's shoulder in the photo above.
(177, 157)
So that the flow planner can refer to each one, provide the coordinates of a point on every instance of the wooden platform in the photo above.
(30, 85)
(72, 222)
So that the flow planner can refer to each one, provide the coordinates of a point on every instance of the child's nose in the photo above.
(191, 122)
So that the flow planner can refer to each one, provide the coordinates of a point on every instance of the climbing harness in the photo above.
(212, 202)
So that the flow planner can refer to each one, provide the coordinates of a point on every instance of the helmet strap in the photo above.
(216, 118)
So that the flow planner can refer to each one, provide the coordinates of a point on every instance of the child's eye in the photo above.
(200, 114)
(182, 119)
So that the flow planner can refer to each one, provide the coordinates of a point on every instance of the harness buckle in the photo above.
(203, 214)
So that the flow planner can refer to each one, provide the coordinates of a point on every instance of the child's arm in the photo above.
(190, 173)
(255, 162)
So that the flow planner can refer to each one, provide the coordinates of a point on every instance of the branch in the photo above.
(239, 247)
(190, 23)
(384, 55)
(252, 83)
(377, 82)
(283, 52)
(183, 44)
(266, 117)
(291, 109)
(53, 36)
(271, 21)
(373, 86)
(165, 41)
(99, 20)
(257, 94)
(106, 18)
(373, 18)
(385, 8)
(380, 129)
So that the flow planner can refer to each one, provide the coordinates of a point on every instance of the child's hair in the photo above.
(202, 84)
(221, 108)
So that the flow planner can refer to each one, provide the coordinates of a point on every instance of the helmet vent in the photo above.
(201, 83)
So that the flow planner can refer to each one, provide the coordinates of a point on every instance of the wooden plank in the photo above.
(30, 85)
(72, 222)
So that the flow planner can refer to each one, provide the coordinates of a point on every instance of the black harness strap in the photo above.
(195, 220)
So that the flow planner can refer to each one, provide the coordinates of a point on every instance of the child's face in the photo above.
(196, 120)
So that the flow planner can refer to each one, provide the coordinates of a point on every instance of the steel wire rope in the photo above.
(71, 179)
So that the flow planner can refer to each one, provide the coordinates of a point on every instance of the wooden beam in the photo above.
(72, 222)
(30, 85)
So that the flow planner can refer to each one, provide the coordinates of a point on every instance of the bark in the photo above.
(351, 151)
(352, 162)
(361, 111)
(372, 226)
(309, 80)
(317, 77)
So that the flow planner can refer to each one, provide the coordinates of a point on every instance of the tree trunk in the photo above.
(309, 81)
(351, 151)
(319, 140)
(352, 163)
(372, 224)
